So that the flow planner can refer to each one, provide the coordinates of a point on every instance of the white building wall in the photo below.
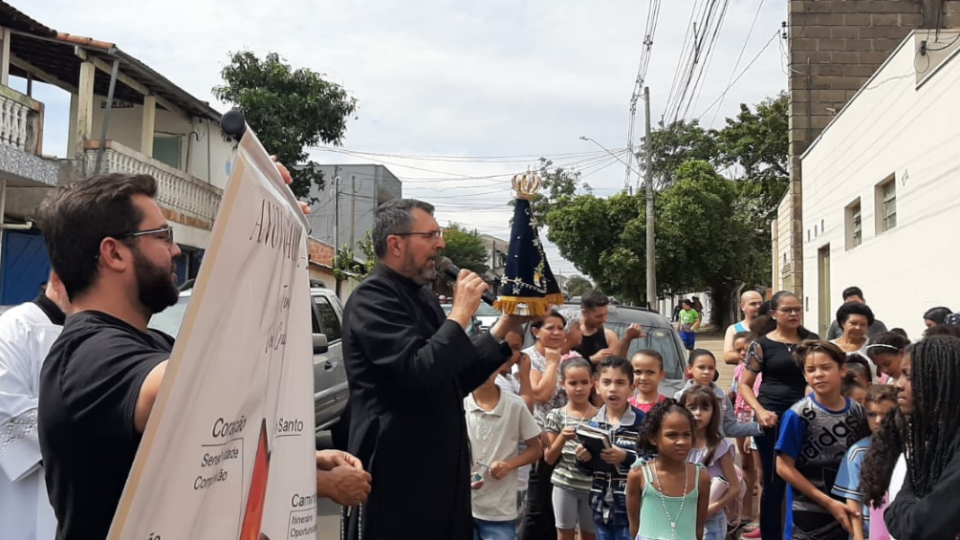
(893, 127)
(125, 128)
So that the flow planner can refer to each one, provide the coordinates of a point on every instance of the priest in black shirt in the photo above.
(409, 367)
(115, 254)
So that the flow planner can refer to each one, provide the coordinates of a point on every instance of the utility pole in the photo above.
(353, 207)
(336, 209)
(651, 256)
(336, 219)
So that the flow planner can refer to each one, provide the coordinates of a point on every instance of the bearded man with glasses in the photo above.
(410, 367)
(115, 254)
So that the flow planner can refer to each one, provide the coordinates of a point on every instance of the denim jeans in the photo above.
(494, 530)
(716, 527)
(612, 532)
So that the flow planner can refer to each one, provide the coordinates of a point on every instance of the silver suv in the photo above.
(330, 391)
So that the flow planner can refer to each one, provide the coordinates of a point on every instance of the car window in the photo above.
(328, 318)
(316, 322)
(659, 339)
(487, 311)
(662, 340)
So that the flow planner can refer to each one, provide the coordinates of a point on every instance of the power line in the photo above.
(691, 24)
(456, 159)
(711, 50)
(737, 64)
(587, 157)
(686, 71)
(729, 86)
(653, 15)
(709, 21)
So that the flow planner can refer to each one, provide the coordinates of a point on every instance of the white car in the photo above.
(487, 316)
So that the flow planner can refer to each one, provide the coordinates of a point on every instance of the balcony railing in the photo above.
(21, 121)
(194, 201)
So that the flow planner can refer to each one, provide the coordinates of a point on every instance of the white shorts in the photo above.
(572, 508)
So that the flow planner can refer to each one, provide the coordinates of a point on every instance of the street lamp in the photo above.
(605, 149)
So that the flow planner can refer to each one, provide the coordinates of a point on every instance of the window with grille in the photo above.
(886, 194)
(854, 225)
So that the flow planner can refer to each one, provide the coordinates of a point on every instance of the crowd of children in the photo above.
(667, 468)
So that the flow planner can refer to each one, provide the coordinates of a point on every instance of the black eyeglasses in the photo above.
(158, 232)
(429, 235)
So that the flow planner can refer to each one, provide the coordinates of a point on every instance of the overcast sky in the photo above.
(468, 80)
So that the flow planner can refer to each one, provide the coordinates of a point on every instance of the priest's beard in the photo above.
(155, 288)
(420, 274)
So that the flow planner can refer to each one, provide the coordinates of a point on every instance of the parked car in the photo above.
(330, 393)
(659, 335)
(486, 316)
(473, 330)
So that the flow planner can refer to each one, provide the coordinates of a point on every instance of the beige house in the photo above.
(124, 117)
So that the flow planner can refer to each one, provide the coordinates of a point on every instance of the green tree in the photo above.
(465, 249)
(712, 232)
(578, 286)
(599, 236)
(757, 140)
(346, 265)
(290, 110)
(700, 235)
(674, 144)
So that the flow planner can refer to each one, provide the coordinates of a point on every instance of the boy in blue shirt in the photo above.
(880, 399)
(608, 495)
(815, 434)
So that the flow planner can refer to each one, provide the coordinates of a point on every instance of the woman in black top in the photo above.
(783, 385)
(927, 506)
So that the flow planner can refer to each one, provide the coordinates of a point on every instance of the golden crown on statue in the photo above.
(527, 185)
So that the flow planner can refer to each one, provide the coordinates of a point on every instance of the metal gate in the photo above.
(24, 265)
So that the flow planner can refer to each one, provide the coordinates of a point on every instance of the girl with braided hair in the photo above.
(927, 507)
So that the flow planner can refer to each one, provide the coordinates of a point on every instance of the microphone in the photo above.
(446, 266)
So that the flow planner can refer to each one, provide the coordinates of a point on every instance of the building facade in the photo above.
(497, 249)
(881, 189)
(343, 211)
(150, 126)
(834, 47)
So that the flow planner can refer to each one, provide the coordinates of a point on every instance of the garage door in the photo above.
(24, 265)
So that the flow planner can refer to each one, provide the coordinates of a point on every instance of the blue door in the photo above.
(24, 265)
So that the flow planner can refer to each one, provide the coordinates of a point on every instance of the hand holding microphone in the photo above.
(468, 292)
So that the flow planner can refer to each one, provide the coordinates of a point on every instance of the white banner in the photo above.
(228, 452)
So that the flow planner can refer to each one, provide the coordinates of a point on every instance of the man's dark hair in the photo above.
(616, 362)
(392, 218)
(686, 302)
(76, 218)
(594, 299)
(852, 291)
(854, 308)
